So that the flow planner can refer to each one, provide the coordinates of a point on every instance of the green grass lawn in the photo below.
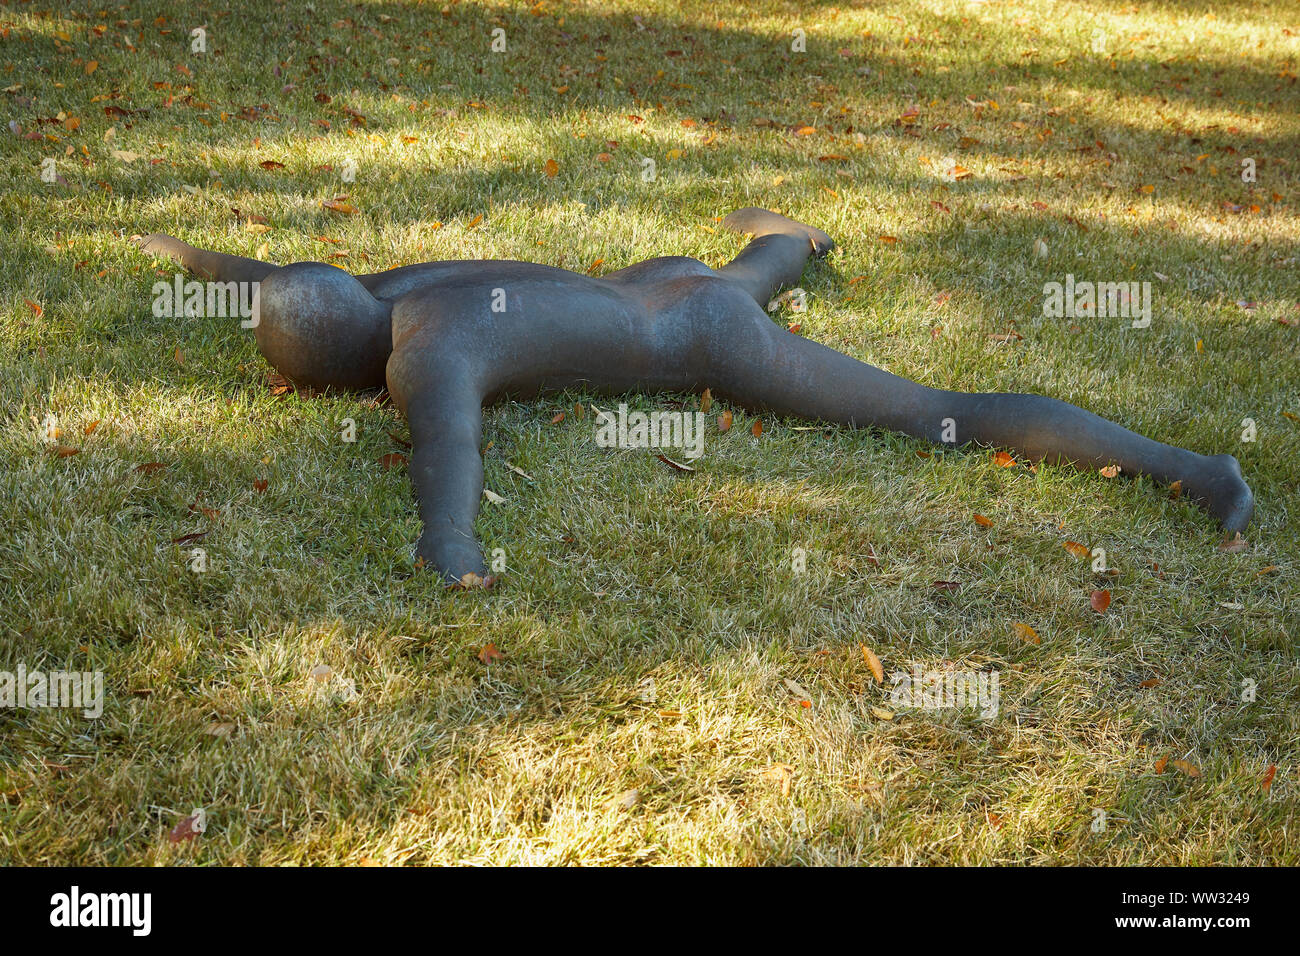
(671, 690)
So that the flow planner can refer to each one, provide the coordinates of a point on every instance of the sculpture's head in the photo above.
(319, 326)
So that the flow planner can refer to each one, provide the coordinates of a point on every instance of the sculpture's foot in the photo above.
(1223, 492)
(456, 560)
(161, 244)
(752, 221)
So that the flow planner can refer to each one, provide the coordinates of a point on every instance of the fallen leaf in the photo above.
(185, 830)
(1110, 471)
(983, 521)
(724, 420)
(1100, 600)
(1003, 460)
(89, 429)
(493, 497)
(339, 206)
(219, 729)
(65, 451)
(995, 820)
(1176, 489)
(259, 484)
(1026, 633)
(1234, 544)
(1268, 776)
(780, 772)
(36, 307)
(392, 460)
(1077, 549)
(1161, 763)
(796, 689)
(880, 713)
(470, 581)
(946, 585)
(706, 401)
(624, 801)
(489, 653)
(1187, 767)
(674, 464)
(552, 168)
(559, 417)
(1151, 682)
(758, 427)
(873, 662)
(149, 467)
(321, 673)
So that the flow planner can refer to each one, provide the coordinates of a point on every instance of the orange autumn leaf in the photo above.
(889, 240)
(259, 485)
(392, 460)
(1003, 460)
(559, 417)
(1161, 763)
(724, 420)
(706, 401)
(873, 662)
(1187, 767)
(470, 581)
(983, 521)
(1268, 776)
(1176, 490)
(1026, 633)
(552, 168)
(1100, 600)
(65, 451)
(339, 206)
(1110, 471)
(1077, 549)
(758, 427)
(474, 222)
(1151, 682)
(489, 653)
(89, 429)
(35, 307)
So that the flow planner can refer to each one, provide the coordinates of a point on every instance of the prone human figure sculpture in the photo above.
(437, 335)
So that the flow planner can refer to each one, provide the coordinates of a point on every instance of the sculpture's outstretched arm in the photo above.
(214, 266)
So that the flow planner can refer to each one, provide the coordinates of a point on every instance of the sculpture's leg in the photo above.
(447, 475)
(760, 365)
(777, 254)
(214, 266)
